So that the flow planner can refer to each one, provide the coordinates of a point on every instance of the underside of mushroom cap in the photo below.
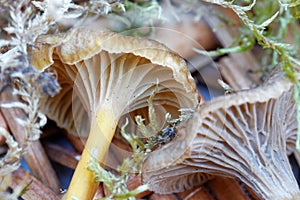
(96, 68)
(241, 135)
(81, 44)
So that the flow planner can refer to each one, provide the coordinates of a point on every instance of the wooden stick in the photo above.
(3, 124)
(198, 193)
(77, 142)
(99, 192)
(297, 157)
(155, 196)
(252, 195)
(35, 156)
(62, 155)
(51, 130)
(233, 74)
(226, 188)
(240, 63)
(198, 62)
(106, 192)
(3, 149)
(133, 182)
(36, 189)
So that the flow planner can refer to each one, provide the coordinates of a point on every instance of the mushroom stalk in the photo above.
(101, 133)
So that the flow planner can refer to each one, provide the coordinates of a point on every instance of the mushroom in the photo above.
(103, 76)
(243, 135)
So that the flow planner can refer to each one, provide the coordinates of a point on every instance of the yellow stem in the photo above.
(102, 130)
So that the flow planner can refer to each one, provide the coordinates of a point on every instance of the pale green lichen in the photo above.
(117, 184)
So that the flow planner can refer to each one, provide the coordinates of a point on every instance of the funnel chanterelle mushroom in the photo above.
(108, 75)
(245, 135)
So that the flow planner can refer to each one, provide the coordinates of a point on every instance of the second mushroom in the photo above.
(246, 135)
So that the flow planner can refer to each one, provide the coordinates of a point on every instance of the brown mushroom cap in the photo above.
(241, 135)
(82, 61)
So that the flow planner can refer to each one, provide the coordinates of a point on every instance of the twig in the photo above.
(297, 157)
(232, 189)
(35, 190)
(156, 196)
(233, 74)
(240, 63)
(51, 130)
(133, 182)
(3, 124)
(62, 155)
(199, 193)
(99, 192)
(77, 142)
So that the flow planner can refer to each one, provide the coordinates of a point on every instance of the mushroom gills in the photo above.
(245, 138)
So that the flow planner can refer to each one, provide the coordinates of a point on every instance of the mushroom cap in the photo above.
(243, 135)
(96, 68)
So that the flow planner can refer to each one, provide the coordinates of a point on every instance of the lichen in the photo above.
(154, 137)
